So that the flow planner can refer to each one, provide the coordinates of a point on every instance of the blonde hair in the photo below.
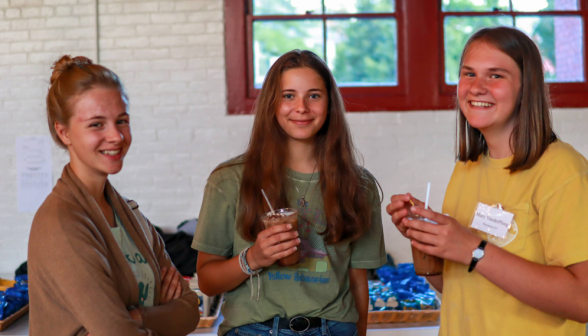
(72, 77)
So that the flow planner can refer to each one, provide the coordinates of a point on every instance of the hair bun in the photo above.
(65, 63)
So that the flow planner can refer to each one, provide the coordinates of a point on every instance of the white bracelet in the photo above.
(244, 265)
(247, 270)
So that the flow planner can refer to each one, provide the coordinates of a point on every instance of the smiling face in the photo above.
(304, 104)
(488, 88)
(98, 135)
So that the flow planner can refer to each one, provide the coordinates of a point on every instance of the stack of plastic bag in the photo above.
(14, 298)
(401, 289)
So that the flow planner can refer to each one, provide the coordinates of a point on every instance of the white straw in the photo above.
(427, 198)
(267, 200)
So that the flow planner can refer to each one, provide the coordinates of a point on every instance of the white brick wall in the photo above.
(32, 36)
(170, 54)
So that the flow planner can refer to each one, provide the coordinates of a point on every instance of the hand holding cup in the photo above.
(448, 239)
(272, 244)
(399, 208)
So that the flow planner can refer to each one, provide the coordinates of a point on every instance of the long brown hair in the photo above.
(70, 78)
(344, 184)
(533, 131)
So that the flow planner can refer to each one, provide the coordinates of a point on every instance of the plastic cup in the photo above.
(425, 264)
(284, 216)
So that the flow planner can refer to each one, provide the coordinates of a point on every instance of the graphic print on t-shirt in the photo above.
(139, 265)
(143, 278)
(315, 264)
(313, 253)
(316, 258)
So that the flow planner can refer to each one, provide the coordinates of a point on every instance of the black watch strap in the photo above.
(475, 260)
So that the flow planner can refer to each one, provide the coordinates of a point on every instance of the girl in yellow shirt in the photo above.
(533, 280)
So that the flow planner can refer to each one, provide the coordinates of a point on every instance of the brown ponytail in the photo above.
(70, 78)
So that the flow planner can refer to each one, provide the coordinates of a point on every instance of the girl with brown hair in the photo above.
(516, 203)
(96, 264)
(301, 154)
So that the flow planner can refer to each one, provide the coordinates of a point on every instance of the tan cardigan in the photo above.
(80, 281)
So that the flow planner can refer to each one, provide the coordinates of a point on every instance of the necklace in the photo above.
(302, 201)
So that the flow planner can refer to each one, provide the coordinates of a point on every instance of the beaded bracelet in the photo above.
(244, 265)
(247, 270)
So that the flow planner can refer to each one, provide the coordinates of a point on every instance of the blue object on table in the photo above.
(400, 289)
(14, 298)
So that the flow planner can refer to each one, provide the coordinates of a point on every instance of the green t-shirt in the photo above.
(141, 269)
(316, 287)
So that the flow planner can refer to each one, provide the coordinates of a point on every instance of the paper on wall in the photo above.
(34, 171)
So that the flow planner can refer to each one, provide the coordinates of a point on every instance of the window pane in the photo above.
(457, 30)
(271, 39)
(559, 39)
(541, 5)
(359, 6)
(286, 7)
(475, 5)
(363, 52)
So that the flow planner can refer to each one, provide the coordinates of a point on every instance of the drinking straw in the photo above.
(427, 198)
(268, 202)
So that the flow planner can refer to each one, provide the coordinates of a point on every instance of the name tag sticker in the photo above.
(492, 220)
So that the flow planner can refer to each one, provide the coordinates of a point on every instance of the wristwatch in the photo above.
(477, 255)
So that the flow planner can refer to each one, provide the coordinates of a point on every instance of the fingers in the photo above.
(284, 253)
(168, 284)
(395, 206)
(179, 290)
(400, 197)
(398, 208)
(402, 229)
(416, 201)
(422, 237)
(278, 238)
(422, 226)
(274, 230)
(173, 286)
(428, 249)
(137, 315)
(268, 249)
(166, 277)
(399, 215)
(432, 215)
(407, 198)
(275, 251)
(397, 202)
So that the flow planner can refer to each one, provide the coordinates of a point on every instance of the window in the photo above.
(341, 32)
(398, 55)
(556, 27)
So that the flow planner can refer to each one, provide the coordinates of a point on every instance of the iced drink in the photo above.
(284, 216)
(425, 264)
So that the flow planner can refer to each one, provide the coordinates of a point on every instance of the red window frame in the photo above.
(421, 65)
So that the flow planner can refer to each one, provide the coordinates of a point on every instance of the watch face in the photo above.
(478, 253)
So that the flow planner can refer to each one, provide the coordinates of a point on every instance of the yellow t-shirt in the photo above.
(550, 204)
